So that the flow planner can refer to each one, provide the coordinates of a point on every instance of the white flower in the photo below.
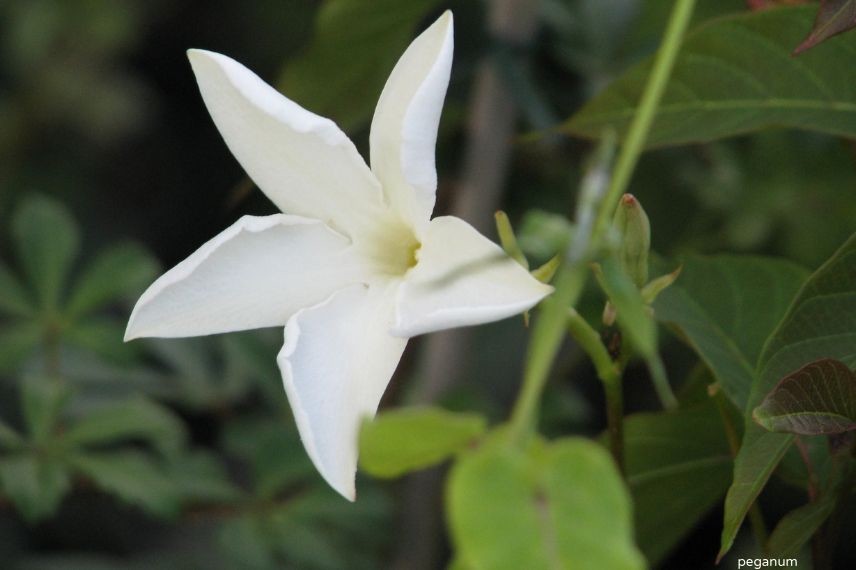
(356, 267)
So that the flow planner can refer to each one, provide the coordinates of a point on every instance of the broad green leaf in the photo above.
(833, 17)
(355, 46)
(35, 486)
(18, 340)
(735, 75)
(14, 299)
(135, 420)
(131, 476)
(560, 506)
(42, 401)
(120, 272)
(817, 399)
(633, 315)
(46, 239)
(678, 467)
(404, 440)
(798, 526)
(820, 323)
(725, 307)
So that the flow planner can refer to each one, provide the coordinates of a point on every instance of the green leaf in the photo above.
(120, 272)
(17, 342)
(42, 401)
(102, 336)
(47, 240)
(833, 17)
(404, 440)
(678, 467)
(355, 46)
(725, 307)
(200, 477)
(139, 419)
(10, 439)
(633, 315)
(821, 323)
(14, 299)
(798, 526)
(560, 506)
(544, 234)
(35, 486)
(736, 75)
(817, 399)
(131, 476)
(245, 542)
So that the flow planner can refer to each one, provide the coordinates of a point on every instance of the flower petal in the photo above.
(337, 360)
(404, 128)
(256, 273)
(304, 163)
(462, 278)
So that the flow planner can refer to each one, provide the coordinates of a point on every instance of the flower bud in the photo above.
(631, 223)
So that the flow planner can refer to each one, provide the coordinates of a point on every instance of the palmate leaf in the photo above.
(404, 440)
(46, 240)
(833, 17)
(138, 419)
(821, 323)
(344, 68)
(736, 75)
(817, 399)
(35, 485)
(14, 299)
(119, 272)
(133, 477)
(725, 307)
(560, 505)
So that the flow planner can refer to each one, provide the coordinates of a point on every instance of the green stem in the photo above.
(634, 143)
(546, 338)
(661, 382)
(590, 342)
(615, 420)
(593, 217)
(609, 373)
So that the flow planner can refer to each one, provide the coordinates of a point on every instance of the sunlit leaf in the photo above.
(736, 75)
(560, 506)
(817, 399)
(725, 307)
(46, 239)
(120, 272)
(821, 323)
(404, 440)
(355, 46)
(833, 17)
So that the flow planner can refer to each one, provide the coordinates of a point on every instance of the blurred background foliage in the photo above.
(183, 454)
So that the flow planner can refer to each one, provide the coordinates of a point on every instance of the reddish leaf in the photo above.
(833, 17)
(817, 399)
